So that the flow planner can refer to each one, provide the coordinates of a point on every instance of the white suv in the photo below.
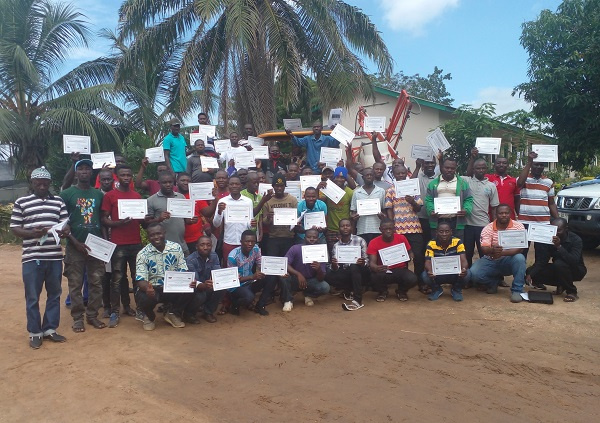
(581, 207)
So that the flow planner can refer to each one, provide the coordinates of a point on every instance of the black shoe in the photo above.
(35, 342)
(55, 337)
(191, 319)
(261, 310)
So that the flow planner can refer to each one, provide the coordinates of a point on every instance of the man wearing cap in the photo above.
(313, 144)
(280, 237)
(174, 146)
(32, 218)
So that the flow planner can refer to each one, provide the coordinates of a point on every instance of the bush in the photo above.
(6, 235)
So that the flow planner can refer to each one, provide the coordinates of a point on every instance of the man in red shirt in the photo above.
(398, 273)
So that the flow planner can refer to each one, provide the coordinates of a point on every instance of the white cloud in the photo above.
(82, 54)
(413, 15)
(502, 98)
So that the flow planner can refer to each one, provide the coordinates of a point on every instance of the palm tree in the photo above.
(237, 49)
(35, 39)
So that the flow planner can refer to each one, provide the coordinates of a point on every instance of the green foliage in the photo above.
(431, 88)
(308, 110)
(588, 172)
(58, 163)
(6, 235)
(134, 150)
(564, 76)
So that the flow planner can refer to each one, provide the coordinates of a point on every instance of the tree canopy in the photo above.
(432, 87)
(564, 73)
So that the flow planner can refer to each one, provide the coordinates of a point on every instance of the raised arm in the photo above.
(525, 171)
(139, 178)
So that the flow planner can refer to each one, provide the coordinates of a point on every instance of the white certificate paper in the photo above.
(343, 135)
(437, 140)
(309, 181)
(100, 248)
(255, 141)
(264, 188)
(488, 145)
(238, 213)
(99, 160)
(448, 265)
(155, 155)
(447, 205)
(209, 162)
(407, 187)
(333, 192)
(181, 207)
(394, 255)
(512, 239)
(335, 117)
(421, 152)
(285, 217)
(317, 252)
(136, 209)
(225, 278)
(316, 219)
(367, 207)
(347, 254)
(208, 130)
(261, 152)
(222, 146)
(375, 124)
(201, 191)
(292, 124)
(178, 282)
(541, 233)
(244, 160)
(330, 156)
(275, 266)
(294, 191)
(77, 144)
(195, 136)
(546, 153)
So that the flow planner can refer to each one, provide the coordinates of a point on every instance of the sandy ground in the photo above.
(484, 359)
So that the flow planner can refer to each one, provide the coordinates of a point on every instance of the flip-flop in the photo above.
(402, 296)
(381, 297)
(78, 326)
(96, 323)
(571, 298)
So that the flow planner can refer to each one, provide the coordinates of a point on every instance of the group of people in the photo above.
(489, 204)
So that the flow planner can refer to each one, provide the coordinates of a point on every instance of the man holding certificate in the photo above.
(313, 144)
(396, 271)
(340, 210)
(429, 172)
(280, 236)
(367, 225)
(310, 206)
(349, 266)
(156, 258)
(499, 261)
(306, 277)
(445, 263)
(195, 163)
(174, 146)
(202, 210)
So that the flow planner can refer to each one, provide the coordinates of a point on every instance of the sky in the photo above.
(477, 41)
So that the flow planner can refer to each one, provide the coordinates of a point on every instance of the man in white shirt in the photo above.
(229, 156)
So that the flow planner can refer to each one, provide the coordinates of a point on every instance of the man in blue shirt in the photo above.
(174, 147)
(313, 144)
(310, 204)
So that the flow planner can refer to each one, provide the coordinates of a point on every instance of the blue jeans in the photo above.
(35, 274)
(314, 288)
(456, 281)
(486, 271)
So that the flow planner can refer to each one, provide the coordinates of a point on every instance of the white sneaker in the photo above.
(308, 302)
(288, 306)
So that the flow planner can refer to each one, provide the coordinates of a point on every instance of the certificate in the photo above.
(317, 252)
(407, 187)
(438, 141)
(343, 135)
(178, 282)
(208, 130)
(335, 117)
(100, 248)
(512, 239)
(155, 155)
(316, 219)
(294, 191)
(100, 160)
(292, 124)
(333, 191)
(181, 207)
(309, 181)
(447, 205)
(421, 152)
(135, 209)
(275, 266)
(261, 152)
(546, 153)
(201, 190)
(255, 141)
(347, 254)
(244, 160)
(285, 217)
(238, 213)
(488, 145)
(225, 278)
(330, 156)
(368, 207)
(208, 162)
(221, 146)
(448, 265)
(375, 124)
(394, 255)
(541, 233)
(195, 136)
(76, 144)
(264, 188)
(55, 228)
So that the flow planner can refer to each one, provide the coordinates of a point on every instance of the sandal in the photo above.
(571, 298)
(381, 297)
(402, 296)
(96, 323)
(78, 326)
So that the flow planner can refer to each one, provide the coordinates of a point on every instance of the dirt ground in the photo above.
(484, 359)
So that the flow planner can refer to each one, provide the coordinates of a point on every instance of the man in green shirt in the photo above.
(258, 201)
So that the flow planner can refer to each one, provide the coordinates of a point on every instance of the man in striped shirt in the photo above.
(32, 218)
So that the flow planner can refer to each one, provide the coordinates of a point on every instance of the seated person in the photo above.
(567, 262)
(202, 262)
(497, 262)
(381, 275)
(246, 258)
(349, 277)
(151, 264)
(445, 245)
(308, 278)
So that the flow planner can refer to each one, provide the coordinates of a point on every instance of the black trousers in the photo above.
(426, 231)
(244, 295)
(560, 274)
(209, 299)
(472, 239)
(173, 303)
(278, 247)
(403, 277)
(351, 278)
(418, 249)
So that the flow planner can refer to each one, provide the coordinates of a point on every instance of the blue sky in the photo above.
(477, 41)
